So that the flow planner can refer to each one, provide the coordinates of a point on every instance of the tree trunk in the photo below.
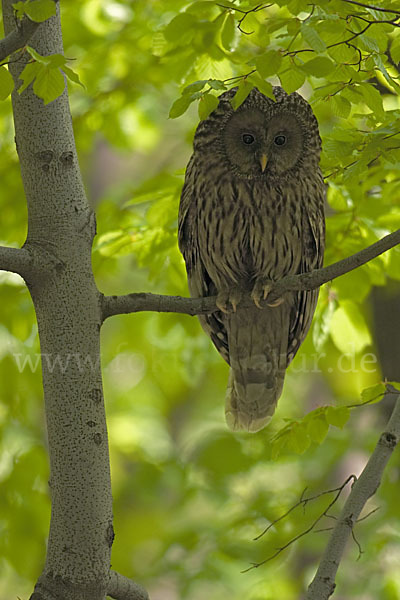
(61, 227)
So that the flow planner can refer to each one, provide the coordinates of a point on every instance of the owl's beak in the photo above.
(263, 162)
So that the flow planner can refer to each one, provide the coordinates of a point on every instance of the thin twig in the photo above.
(309, 529)
(303, 501)
(387, 10)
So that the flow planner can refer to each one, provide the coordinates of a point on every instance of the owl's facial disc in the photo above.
(259, 145)
(285, 143)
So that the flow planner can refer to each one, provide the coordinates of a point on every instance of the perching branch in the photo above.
(115, 305)
(323, 584)
(123, 588)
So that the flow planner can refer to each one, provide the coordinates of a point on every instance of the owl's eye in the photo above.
(280, 140)
(248, 138)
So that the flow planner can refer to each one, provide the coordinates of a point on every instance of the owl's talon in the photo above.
(260, 291)
(276, 302)
(228, 300)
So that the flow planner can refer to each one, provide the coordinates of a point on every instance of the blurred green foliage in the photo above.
(189, 495)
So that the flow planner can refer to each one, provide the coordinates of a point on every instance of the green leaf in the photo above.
(317, 428)
(19, 9)
(299, 439)
(340, 106)
(268, 64)
(40, 10)
(196, 86)
(338, 148)
(395, 49)
(372, 98)
(72, 75)
(348, 328)
(337, 415)
(343, 54)
(49, 84)
(179, 26)
(319, 66)
(28, 74)
(207, 104)
(313, 39)
(6, 83)
(44, 60)
(320, 331)
(263, 86)
(180, 106)
(292, 79)
(373, 394)
(56, 60)
(368, 43)
(228, 31)
(216, 84)
(244, 89)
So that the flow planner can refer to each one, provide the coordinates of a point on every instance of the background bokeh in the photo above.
(189, 495)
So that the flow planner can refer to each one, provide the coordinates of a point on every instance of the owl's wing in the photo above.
(313, 243)
(200, 283)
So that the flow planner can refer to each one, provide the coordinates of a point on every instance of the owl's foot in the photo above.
(261, 289)
(228, 299)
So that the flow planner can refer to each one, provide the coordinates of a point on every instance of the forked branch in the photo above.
(130, 303)
(18, 37)
(323, 584)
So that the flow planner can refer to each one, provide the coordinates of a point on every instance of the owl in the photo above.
(251, 212)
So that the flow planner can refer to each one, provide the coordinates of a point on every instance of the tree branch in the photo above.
(130, 303)
(17, 260)
(323, 584)
(380, 9)
(123, 588)
(16, 39)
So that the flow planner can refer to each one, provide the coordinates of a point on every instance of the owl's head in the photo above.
(263, 138)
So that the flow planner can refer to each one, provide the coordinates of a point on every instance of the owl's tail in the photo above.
(258, 340)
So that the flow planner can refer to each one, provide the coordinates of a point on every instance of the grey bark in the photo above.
(56, 265)
(323, 584)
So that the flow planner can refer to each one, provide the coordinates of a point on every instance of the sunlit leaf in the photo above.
(179, 26)
(299, 439)
(244, 89)
(28, 74)
(292, 79)
(49, 84)
(207, 104)
(268, 64)
(196, 86)
(228, 31)
(319, 66)
(40, 10)
(6, 83)
(337, 415)
(180, 106)
(318, 428)
(374, 393)
(312, 37)
(348, 328)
